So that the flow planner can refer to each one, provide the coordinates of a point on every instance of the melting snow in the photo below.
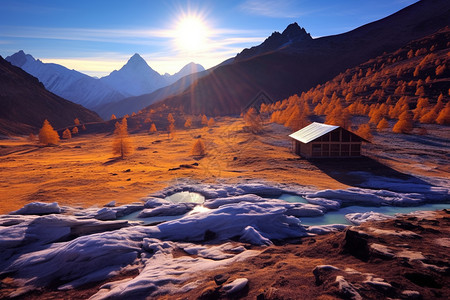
(91, 245)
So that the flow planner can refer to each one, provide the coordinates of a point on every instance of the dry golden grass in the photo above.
(83, 171)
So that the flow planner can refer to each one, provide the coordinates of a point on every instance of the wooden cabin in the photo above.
(319, 140)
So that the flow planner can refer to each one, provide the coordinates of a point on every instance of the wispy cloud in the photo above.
(167, 56)
(273, 8)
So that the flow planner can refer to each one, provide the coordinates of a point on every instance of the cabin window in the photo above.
(334, 150)
(326, 150)
(345, 150)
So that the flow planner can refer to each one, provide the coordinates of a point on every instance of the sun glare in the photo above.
(191, 34)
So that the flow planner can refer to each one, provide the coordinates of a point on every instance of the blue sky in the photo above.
(98, 36)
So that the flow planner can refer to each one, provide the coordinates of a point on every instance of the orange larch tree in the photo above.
(66, 134)
(153, 128)
(364, 131)
(383, 124)
(122, 144)
(198, 149)
(404, 124)
(47, 135)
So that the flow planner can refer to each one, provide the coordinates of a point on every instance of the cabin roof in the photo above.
(312, 131)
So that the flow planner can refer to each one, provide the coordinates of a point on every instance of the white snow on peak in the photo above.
(69, 84)
(135, 78)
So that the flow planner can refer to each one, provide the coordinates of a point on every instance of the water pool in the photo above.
(292, 198)
(338, 217)
(180, 197)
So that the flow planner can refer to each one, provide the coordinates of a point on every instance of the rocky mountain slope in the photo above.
(25, 104)
(302, 64)
(69, 84)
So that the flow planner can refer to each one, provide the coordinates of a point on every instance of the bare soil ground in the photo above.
(83, 171)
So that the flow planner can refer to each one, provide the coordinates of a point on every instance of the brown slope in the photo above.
(25, 104)
(305, 64)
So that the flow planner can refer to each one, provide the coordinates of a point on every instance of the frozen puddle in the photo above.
(186, 197)
(292, 198)
(338, 217)
(45, 245)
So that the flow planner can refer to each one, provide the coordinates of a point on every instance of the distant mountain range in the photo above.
(135, 78)
(25, 104)
(293, 62)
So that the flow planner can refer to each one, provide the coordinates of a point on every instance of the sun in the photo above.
(191, 34)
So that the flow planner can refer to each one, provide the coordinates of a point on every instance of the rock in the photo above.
(379, 285)
(381, 251)
(127, 209)
(411, 295)
(356, 243)
(105, 214)
(166, 210)
(110, 204)
(410, 255)
(252, 236)
(346, 290)
(325, 229)
(152, 202)
(221, 279)
(358, 218)
(38, 208)
(236, 286)
(322, 272)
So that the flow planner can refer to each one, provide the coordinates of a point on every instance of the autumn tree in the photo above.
(170, 118)
(47, 135)
(364, 131)
(211, 122)
(204, 120)
(76, 121)
(113, 117)
(66, 134)
(253, 120)
(421, 107)
(148, 120)
(188, 123)
(404, 124)
(122, 144)
(383, 124)
(83, 127)
(444, 115)
(199, 148)
(75, 130)
(171, 130)
(153, 128)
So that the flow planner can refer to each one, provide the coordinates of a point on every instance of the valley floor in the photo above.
(83, 172)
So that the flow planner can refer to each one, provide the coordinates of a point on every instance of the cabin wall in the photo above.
(338, 143)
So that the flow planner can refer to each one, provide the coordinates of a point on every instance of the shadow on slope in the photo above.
(368, 173)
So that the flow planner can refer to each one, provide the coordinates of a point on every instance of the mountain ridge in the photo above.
(93, 92)
(302, 65)
(25, 104)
